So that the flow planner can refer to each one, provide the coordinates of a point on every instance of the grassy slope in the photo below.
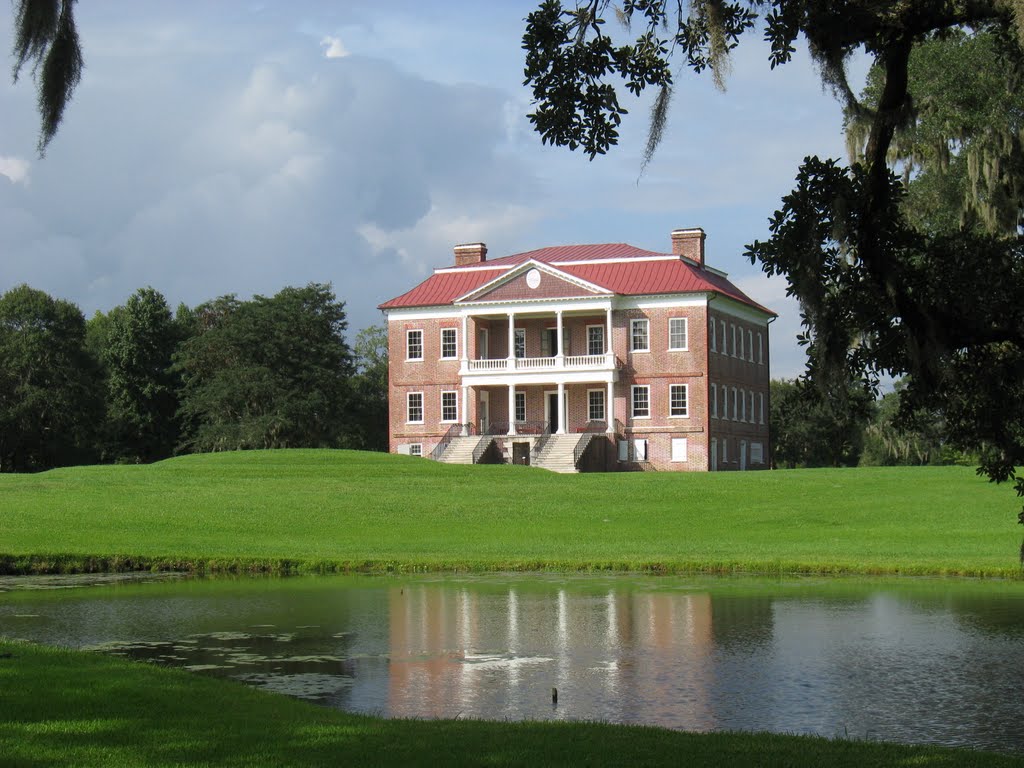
(67, 707)
(351, 508)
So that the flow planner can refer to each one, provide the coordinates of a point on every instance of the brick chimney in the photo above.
(470, 253)
(689, 243)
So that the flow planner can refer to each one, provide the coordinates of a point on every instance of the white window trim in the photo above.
(632, 401)
(442, 333)
(408, 397)
(686, 387)
(753, 418)
(604, 341)
(409, 333)
(714, 401)
(761, 395)
(760, 349)
(515, 407)
(732, 327)
(741, 356)
(416, 449)
(454, 392)
(735, 404)
(632, 336)
(724, 346)
(743, 405)
(604, 405)
(714, 335)
(686, 333)
(750, 346)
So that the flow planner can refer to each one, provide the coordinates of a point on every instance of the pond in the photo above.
(919, 661)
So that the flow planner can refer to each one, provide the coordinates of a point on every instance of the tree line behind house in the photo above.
(140, 383)
(851, 428)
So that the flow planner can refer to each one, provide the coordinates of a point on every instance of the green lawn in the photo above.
(307, 510)
(62, 707)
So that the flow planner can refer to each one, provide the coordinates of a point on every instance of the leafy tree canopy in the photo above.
(267, 373)
(48, 384)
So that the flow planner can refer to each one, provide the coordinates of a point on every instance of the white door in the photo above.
(743, 454)
(485, 412)
(714, 454)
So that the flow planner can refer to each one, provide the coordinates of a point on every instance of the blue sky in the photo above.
(237, 147)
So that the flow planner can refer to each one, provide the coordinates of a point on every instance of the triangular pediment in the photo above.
(532, 281)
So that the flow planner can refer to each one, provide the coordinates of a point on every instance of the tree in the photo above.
(138, 342)
(370, 390)
(48, 385)
(811, 430)
(877, 294)
(45, 36)
(267, 373)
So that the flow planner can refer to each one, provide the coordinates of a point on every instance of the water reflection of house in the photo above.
(624, 655)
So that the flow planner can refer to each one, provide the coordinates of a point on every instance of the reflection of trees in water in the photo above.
(991, 614)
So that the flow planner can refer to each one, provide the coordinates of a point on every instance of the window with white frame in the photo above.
(677, 334)
(633, 450)
(714, 401)
(735, 403)
(595, 404)
(449, 344)
(414, 407)
(520, 342)
(677, 400)
(415, 449)
(712, 328)
(725, 402)
(449, 406)
(760, 349)
(520, 406)
(414, 345)
(641, 401)
(761, 402)
(639, 335)
(757, 453)
(750, 346)
(725, 450)
(741, 344)
(679, 449)
(595, 339)
(723, 344)
(753, 420)
(732, 329)
(743, 405)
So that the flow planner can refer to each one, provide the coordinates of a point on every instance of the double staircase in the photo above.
(558, 453)
(460, 449)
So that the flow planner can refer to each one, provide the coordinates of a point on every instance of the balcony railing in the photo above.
(568, 363)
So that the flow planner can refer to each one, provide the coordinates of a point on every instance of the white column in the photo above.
(511, 408)
(559, 352)
(464, 408)
(561, 408)
(608, 328)
(465, 341)
(609, 407)
(511, 340)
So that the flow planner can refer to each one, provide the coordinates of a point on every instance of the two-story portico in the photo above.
(590, 340)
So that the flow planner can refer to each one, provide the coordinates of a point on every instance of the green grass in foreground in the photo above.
(73, 708)
(325, 510)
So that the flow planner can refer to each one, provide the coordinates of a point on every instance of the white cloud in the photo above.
(788, 359)
(14, 168)
(333, 48)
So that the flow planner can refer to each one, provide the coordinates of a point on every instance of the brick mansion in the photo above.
(581, 357)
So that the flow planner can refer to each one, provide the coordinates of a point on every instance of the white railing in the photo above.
(585, 361)
(572, 362)
(499, 364)
(533, 363)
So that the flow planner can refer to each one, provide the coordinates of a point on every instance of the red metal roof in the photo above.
(645, 276)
